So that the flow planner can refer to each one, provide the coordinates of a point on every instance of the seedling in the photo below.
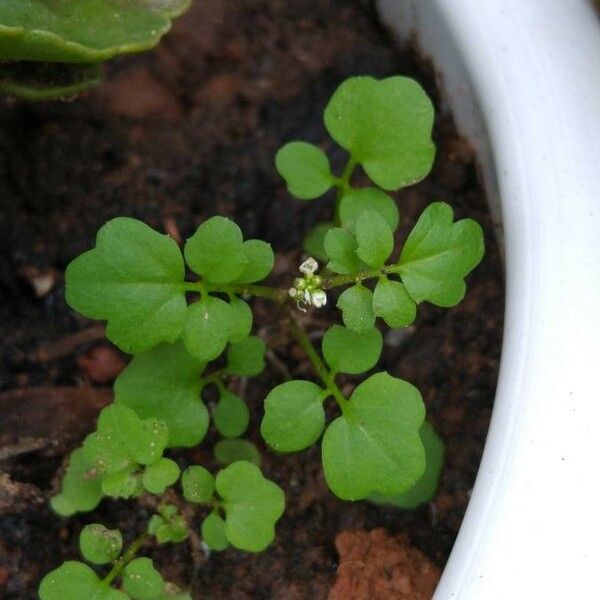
(52, 50)
(379, 446)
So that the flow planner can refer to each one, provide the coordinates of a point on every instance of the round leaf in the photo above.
(260, 261)
(100, 545)
(305, 169)
(246, 358)
(207, 328)
(233, 449)
(198, 484)
(340, 247)
(386, 126)
(75, 581)
(438, 254)
(213, 532)
(82, 490)
(294, 416)
(392, 302)
(164, 384)
(159, 476)
(314, 242)
(356, 304)
(133, 278)
(123, 484)
(141, 580)
(241, 320)
(252, 505)
(231, 415)
(349, 352)
(216, 250)
(356, 201)
(375, 447)
(424, 490)
(375, 239)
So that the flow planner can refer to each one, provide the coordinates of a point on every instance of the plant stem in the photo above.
(338, 280)
(129, 555)
(322, 371)
(342, 185)
(264, 291)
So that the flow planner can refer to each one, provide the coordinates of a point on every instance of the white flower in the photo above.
(309, 266)
(293, 292)
(319, 298)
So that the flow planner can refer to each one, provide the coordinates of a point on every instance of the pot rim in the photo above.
(523, 83)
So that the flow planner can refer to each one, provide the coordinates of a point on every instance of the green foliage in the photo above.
(374, 237)
(168, 525)
(240, 323)
(213, 532)
(341, 249)
(207, 328)
(294, 416)
(134, 280)
(142, 581)
(82, 31)
(252, 505)
(75, 581)
(314, 242)
(424, 490)
(231, 415)
(160, 475)
(198, 484)
(438, 254)
(305, 169)
(375, 445)
(232, 450)
(356, 201)
(165, 383)
(100, 545)
(392, 302)
(356, 304)
(247, 357)
(362, 108)
(349, 352)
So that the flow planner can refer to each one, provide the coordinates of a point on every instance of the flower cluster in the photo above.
(307, 289)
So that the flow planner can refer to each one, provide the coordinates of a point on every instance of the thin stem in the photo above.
(343, 184)
(129, 555)
(338, 280)
(263, 291)
(322, 371)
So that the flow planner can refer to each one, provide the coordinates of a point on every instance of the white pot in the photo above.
(522, 78)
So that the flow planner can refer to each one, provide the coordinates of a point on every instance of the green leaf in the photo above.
(123, 484)
(426, 487)
(231, 415)
(207, 328)
(375, 446)
(349, 352)
(149, 441)
(356, 201)
(141, 580)
(100, 545)
(234, 449)
(246, 358)
(164, 383)
(62, 506)
(198, 484)
(341, 247)
(82, 31)
(375, 239)
(314, 242)
(294, 416)
(38, 82)
(260, 261)
(76, 581)
(438, 254)
(356, 304)
(305, 168)
(392, 302)
(213, 532)
(216, 251)
(160, 475)
(133, 278)
(252, 505)
(240, 323)
(386, 126)
(82, 490)
(169, 526)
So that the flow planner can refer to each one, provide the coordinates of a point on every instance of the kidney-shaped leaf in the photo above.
(438, 254)
(349, 352)
(82, 31)
(252, 505)
(375, 446)
(133, 279)
(386, 126)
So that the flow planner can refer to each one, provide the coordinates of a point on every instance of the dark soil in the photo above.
(173, 137)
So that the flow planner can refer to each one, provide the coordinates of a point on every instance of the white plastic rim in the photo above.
(522, 78)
